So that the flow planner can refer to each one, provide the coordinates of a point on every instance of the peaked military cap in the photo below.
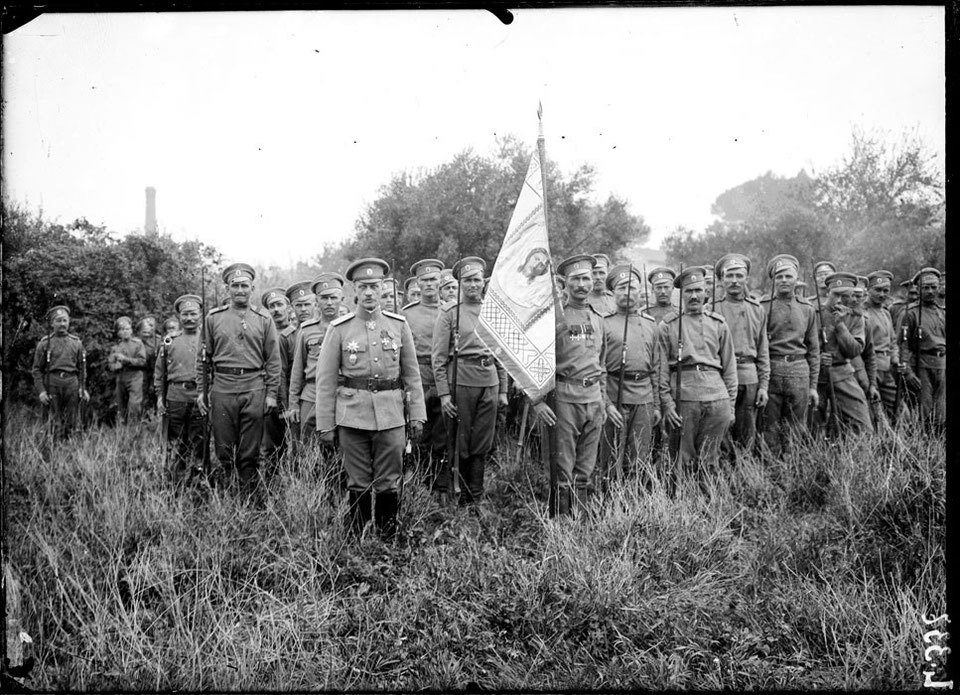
(426, 265)
(124, 321)
(621, 273)
(922, 273)
(367, 269)
(690, 276)
(602, 259)
(841, 281)
(781, 262)
(819, 264)
(731, 260)
(575, 265)
(272, 295)
(410, 281)
(862, 281)
(299, 290)
(880, 278)
(468, 267)
(327, 281)
(446, 277)
(800, 283)
(907, 283)
(237, 271)
(186, 301)
(390, 281)
(54, 310)
(661, 273)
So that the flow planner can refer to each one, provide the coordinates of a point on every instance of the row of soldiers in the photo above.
(629, 372)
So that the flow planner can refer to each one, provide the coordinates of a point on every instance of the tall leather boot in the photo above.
(466, 491)
(359, 512)
(563, 501)
(478, 465)
(582, 498)
(385, 507)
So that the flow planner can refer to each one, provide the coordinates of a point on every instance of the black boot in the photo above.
(466, 493)
(478, 465)
(563, 501)
(385, 513)
(582, 497)
(359, 512)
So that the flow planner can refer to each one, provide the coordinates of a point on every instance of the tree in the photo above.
(463, 207)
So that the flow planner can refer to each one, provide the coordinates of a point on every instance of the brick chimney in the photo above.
(150, 223)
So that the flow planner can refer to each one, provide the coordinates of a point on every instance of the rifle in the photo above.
(521, 443)
(646, 297)
(82, 378)
(897, 401)
(680, 351)
(834, 421)
(455, 457)
(164, 418)
(406, 404)
(203, 371)
(621, 449)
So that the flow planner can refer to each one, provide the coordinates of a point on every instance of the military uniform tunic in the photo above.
(746, 320)
(845, 339)
(422, 318)
(579, 396)
(244, 351)
(932, 357)
(175, 374)
(59, 363)
(884, 338)
(794, 349)
(708, 374)
(275, 437)
(129, 388)
(303, 374)
(659, 312)
(480, 378)
(374, 353)
(639, 394)
(603, 302)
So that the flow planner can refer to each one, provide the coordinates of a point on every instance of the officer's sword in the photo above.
(622, 437)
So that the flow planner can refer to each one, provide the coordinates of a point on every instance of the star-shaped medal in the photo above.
(353, 346)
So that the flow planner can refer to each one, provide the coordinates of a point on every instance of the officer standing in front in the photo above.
(243, 365)
(633, 374)
(421, 316)
(698, 417)
(59, 373)
(366, 363)
(745, 319)
(175, 378)
(579, 398)
(481, 381)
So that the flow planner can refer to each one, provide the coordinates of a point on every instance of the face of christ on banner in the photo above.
(529, 285)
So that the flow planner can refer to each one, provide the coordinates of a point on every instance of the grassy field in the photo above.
(813, 572)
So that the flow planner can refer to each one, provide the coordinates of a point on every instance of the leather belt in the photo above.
(189, 385)
(882, 353)
(372, 384)
(700, 367)
(586, 383)
(236, 371)
(746, 359)
(839, 363)
(938, 352)
(62, 374)
(482, 360)
(630, 376)
(792, 357)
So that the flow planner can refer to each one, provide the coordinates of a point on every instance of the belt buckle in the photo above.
(587, 382)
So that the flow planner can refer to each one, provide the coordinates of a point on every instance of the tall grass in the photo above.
(810, 572)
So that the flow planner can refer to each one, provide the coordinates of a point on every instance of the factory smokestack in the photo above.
(150, 222)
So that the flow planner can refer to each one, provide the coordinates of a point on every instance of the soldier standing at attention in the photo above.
(865, 364)
(59, 373)
(449, 287)
(177, 363)
(632, 426)
(328, 288)
(745, 319)
(908, 296)
(243, 366)
(845, 339)
(661, 280)
(147, 331)
(373, 351)
(600, 297)
(481, 381)
(930, 317)
(699, 418)
(794, 348)
(884, 338)
(820, 272)
(579, 399)
(412, 289)
(421, 315)
(127, 359)
(274, 441)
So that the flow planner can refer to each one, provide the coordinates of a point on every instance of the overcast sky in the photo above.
(266, 134)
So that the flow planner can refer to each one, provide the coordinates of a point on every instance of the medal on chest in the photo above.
(352, 348)
(371, 325)
(387, 342)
